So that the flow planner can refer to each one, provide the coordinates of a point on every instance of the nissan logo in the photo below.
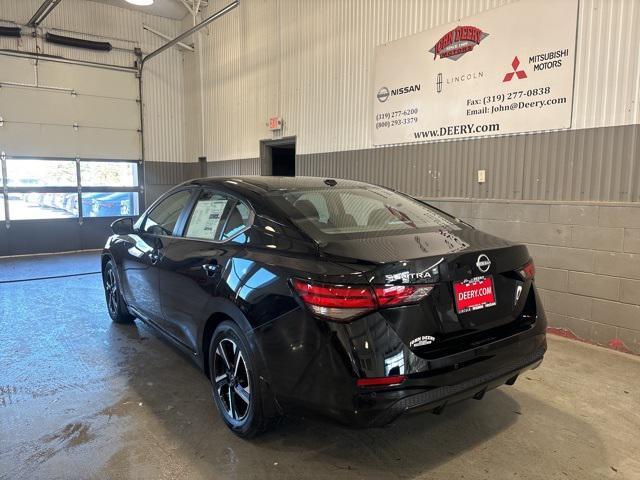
(383, 94)
(483, 263)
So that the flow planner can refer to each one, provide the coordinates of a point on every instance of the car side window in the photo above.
(217, 217)
(164, 216)
(237, 220)
(207, 216)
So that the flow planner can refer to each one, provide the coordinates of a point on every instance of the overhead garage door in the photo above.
(70, 148)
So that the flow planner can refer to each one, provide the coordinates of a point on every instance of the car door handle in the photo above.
(210, 268)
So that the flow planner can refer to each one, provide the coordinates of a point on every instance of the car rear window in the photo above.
(357, 212)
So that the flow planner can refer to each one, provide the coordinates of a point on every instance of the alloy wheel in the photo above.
(232, 379)
(111, 290)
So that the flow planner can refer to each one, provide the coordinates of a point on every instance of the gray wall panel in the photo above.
(165, 173)
(248, 166)
(161, 176)
(599, 164)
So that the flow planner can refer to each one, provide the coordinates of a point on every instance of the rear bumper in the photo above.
(315, 367)
(380, 408)
(329, 389)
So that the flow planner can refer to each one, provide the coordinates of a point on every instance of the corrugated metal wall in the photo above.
(193, 101)
(249, 166)
(607, 86)
(600, 164)
(164, 99)
(310, 62)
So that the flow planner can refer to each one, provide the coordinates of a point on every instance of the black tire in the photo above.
(239, 396)
(115, 303)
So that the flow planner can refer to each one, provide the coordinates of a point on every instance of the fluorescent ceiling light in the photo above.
(141, 2)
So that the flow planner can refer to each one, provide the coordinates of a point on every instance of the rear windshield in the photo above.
(357, 212)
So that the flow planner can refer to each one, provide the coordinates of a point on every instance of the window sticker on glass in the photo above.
(206, 217)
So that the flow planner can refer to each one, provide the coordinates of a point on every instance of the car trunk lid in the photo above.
(475, 277)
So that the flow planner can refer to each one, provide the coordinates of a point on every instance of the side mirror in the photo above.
(123, 226)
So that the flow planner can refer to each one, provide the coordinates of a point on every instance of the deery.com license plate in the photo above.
(474, 294)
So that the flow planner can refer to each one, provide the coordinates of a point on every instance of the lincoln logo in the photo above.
(483, 263)
(439, 83)
(457, 42)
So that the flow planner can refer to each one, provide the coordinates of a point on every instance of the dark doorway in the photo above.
(283, 161)
(279, 157)
(202, 165)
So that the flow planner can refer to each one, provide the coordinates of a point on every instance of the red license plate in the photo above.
(474, 294)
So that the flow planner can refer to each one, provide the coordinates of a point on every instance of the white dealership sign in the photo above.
(507, 70)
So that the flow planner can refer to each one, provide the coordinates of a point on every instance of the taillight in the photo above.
(343, 303)
(401, 294)
(340, 303)
(380, 381)
(528, 271)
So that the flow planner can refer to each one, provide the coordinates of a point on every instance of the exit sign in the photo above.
(275, 123)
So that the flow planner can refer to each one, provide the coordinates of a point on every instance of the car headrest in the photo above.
(308, 209)
(379, 216)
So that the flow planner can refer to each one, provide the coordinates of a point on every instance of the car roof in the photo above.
(270, 184)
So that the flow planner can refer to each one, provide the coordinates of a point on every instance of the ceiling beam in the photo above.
(188, 6)
(167, 37)
(191, 31)
(45, 9)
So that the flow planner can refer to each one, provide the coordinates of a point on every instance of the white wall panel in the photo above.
(17, 70)
(607, 86)
(57, 121)
(310, 62)
(17, 139)
(193, 133)
(29, 105)
(88, 81)
(164, 110)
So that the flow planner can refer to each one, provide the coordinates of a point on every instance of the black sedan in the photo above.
(334, 296)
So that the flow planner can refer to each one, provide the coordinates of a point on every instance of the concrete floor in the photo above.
(83, 398)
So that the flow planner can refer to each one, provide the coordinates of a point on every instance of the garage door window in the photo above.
(40, 206)
(41, 173)
(41, 188)
(110, 204)
(109, 174)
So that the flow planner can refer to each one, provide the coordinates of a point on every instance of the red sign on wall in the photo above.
(275, 123)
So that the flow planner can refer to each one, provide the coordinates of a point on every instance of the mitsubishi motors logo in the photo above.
(519, 73)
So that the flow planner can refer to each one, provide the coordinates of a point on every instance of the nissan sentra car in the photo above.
(333, 296)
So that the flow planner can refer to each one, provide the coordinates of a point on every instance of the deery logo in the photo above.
(519, 73)
(457, 42)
